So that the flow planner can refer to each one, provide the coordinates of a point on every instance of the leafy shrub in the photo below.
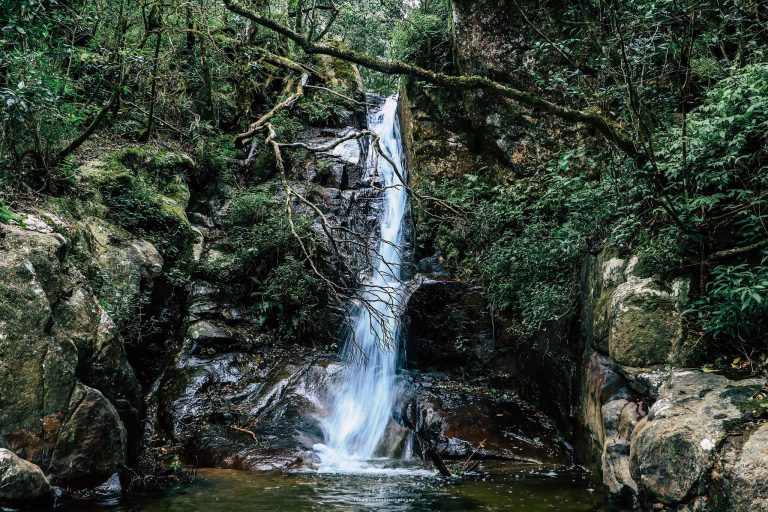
(282, 288)
(717, 188)
(735, 305)
(321, 108)
(524, 241)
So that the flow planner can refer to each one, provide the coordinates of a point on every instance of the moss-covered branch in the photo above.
(607, 127)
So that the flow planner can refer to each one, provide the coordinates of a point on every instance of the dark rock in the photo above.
(460, 418)
(233, 410)
(92, 442)
(448, 326)
(21, 482)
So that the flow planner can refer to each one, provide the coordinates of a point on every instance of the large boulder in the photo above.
(636, 320)
(21, 482)
(646, 325)
(56, 345)
(91, 444)
(674, 448)
(741, 477)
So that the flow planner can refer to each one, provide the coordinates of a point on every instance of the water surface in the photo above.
(509, 487)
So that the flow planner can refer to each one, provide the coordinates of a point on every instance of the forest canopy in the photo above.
(678, 89)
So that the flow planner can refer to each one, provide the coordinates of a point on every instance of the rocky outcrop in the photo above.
(636, 320)
(674, 448)
(679, 453)
(64, 374)
(468, 418)
(21, 483)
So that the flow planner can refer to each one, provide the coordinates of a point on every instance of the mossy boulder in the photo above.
(54, 339)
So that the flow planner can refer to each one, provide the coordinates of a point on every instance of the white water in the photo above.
(366, 393)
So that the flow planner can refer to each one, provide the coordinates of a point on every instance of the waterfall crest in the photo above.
(365, 397)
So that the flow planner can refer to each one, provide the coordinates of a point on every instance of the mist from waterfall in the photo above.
(365, 397)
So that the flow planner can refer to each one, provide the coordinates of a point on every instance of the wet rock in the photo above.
(102, 362)
(92, 442)
(21, 482)
(610, 413)
(210, 338)
(447, 326)
(234, 410)
(673, 448)
(460, 418)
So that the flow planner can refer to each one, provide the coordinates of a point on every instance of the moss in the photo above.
(144, 191)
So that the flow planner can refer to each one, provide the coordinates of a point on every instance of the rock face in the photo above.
(674, 448)
(21, 482)
(448, 326)
(636, 320)
(63, 368)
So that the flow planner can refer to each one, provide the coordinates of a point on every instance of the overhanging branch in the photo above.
(606, 127)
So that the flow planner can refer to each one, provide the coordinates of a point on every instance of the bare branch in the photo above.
(608, 128)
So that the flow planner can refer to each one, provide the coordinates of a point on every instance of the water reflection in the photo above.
(508, 487)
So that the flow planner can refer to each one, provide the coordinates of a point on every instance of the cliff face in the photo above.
(612, 371)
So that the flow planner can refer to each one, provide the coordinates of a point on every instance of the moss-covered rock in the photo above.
(57, 343)
(145, 192)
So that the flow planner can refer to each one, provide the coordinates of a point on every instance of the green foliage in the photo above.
(321, 108)
(735, 305)
(715, 179)
(6, 215)
(425, 37)
(284, 292)
(290, 297)
(523, 240)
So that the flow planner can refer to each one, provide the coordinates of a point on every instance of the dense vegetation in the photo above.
(686, 80)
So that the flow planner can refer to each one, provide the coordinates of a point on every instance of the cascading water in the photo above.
(366, 394)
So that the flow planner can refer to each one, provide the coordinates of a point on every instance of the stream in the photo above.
(504, 487)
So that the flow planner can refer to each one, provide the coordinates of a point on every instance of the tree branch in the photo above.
(608, 128)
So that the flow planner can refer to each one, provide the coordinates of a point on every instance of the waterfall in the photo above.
(365, 397)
